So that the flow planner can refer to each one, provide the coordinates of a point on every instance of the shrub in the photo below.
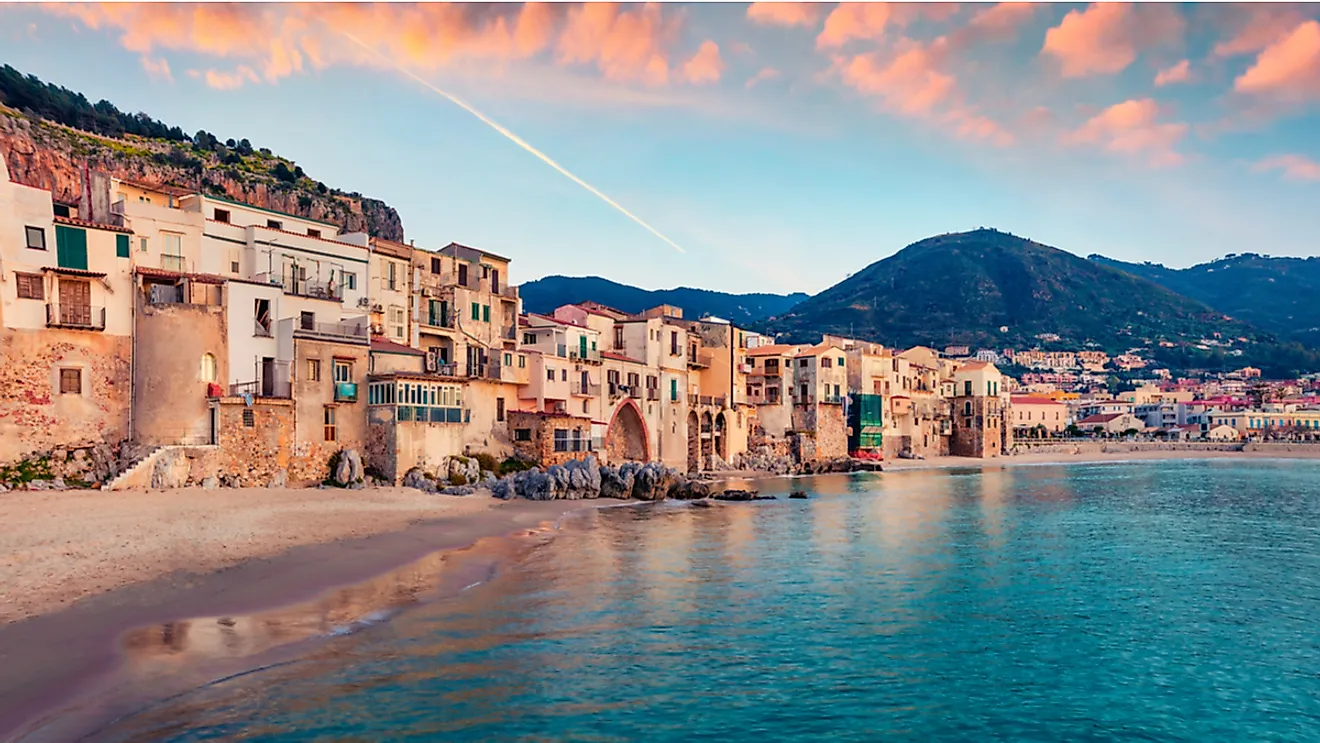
(487, 461)
(512, 464)
(457, 479)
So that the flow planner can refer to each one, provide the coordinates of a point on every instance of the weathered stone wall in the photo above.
(827, 428)
(35, 417)
(977, 434)
(252, 455)
(541, 446)
(310, 459)
(170, 400)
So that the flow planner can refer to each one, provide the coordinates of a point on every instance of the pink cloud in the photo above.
(705, 66)
(1105, 38)
(157, 68)
(223, 80)
(766, 74)
(1004, 16)
(1179, 73)
(1293, 167)
(1132, 128)
(868, 21)
(1288, 70)
(1257, 25)
(785, 14)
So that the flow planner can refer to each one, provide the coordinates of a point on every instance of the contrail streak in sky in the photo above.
(512, 137)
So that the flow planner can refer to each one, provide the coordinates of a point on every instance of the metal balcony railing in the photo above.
(578, 354)
(303, 287)
(77, 316)
(586, 390)
(351, 332)
(653, 394)
(176, 263)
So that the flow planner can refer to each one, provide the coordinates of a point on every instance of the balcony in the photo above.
(349, 332)
(75, 316)
(586, 390)
(831, 400)
(303, 287)
(346, 392)
(439, 321)
(653, 394)
(176, 263)
(577, 354)
(698, 360)
(510, 333)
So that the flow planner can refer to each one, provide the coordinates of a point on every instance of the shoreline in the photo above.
(57, 659)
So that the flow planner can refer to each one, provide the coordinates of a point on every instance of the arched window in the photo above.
(208, 368)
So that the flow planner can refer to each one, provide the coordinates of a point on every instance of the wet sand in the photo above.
(101, 565)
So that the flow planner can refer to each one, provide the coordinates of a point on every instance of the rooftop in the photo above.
(225, 200)
(383, 345)
(74, 222)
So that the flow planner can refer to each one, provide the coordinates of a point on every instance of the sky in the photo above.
(767, 147)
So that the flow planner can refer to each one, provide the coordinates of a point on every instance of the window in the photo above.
(673, 343)
(70, 381)
(307, 320)
(276, 225)
(967, 407)
(396, 321)
(802, 363)
(30, 286)
(313, 370)
(349, 280)
(173, 243)
(561, 439)
(343, 371)
(499, 409)
(262, 314)
(673, 390)
(563, 375)
(485, 313)
(121, 246)
(142, 244)
(476, 311)
(826, 363)
(331, 433)
(586, 407)
(435, 265)
(221, 215)
(549, 375)
(393, 281)
(529, 339)
(313, 233)
(522, 361)
(234, 267)
(522, 434)
(967, 388)
(249, 418)
(208, 371)
(462, 275)
(508, 359)
(841, 360)
(36, 238)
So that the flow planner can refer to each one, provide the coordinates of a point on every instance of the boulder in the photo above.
(652, 481)
(536, 485)
(689, 490)
(505, 488)
(466, 469)
(741, 495)
(416, 478)
(170, 470)
(583, 478)
(349, 469)
(458, 490)
(210, 483)
(798, 495)
(616, 482)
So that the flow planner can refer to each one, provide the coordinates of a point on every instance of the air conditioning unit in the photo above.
(377, 308)
(432, 362)
(377, 329)
(363, 301)
(429, 292)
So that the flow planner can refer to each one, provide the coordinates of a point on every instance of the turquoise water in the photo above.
(1145, 601)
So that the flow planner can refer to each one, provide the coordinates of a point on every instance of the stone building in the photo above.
(982, 424)
(550, 438)
(66, 324)
(413, 420)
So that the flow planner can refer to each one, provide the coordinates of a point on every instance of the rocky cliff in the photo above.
(54, 157)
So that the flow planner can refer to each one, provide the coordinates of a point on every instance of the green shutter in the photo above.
(476, 311)
(71, 247)
(485, 313)
(673, 390)
(121, 246)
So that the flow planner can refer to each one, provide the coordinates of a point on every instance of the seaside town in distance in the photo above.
(155, 337)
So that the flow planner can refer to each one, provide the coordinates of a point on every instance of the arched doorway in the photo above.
(693, 442)
(625, 439)
(707, 438)
(721, 438)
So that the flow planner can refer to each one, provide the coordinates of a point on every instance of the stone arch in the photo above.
(693, 442)
(626, 438)
(721, 437)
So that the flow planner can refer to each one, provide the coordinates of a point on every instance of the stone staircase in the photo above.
(138, 472)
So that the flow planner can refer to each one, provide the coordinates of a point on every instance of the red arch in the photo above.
(646, 432)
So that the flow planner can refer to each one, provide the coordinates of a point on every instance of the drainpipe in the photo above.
(132, 361)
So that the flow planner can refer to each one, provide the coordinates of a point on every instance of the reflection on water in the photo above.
(1171, 600)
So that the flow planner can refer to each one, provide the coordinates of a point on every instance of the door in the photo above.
(75, 302)
(214, 427)
(585, 383)
(267, 377)
(582, 346)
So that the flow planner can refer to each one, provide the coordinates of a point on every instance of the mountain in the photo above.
(48, 134)
(544, 295)
(1274, 294)
(987, 288)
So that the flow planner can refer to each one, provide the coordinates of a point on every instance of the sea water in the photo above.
(1170, 600)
